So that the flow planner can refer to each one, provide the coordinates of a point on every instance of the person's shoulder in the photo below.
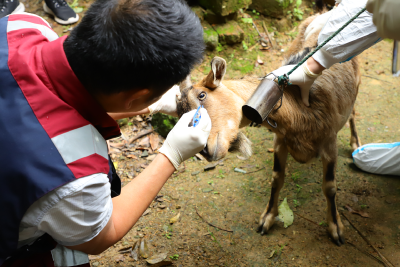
(27, 22)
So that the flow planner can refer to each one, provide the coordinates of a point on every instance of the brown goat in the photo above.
(305, 132)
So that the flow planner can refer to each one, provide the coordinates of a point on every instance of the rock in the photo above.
(225, 7)
(283, 25)
(210, 36)
(213, 18)
(206, 190)
(273, 8)
(230, 33)
(210, 166)
(195, 173)
(95, 264)
(198, 11)
(145, 153)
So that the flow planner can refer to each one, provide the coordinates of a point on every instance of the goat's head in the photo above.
(224, 108)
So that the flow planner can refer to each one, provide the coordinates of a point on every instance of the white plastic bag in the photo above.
(378, 158)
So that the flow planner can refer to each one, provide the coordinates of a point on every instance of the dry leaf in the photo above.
(200, 157)
(94, 257)
(175, 219)
(138, 118)
(117, 145)
(154, 140)
(163, 263)
(259, 61)
(145, 142)
(143, 249)
(361, 213)
(135, 251)
(271, 150)
(272, 254)
(146, 212)
(157, 258)
(131, 156)
(114, 151)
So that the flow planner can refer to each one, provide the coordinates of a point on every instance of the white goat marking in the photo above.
(231, 124)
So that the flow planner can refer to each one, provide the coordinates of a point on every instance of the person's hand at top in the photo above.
(185, 141)
(386, 17)
(167, 103)
(304, 76)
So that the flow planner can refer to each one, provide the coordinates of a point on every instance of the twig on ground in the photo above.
(366, 252)
(372, 77)
(261, 38)
(210, 224)
(141, 134)
(386, 261)
(269, 36)
(257, 170)
(307, 219)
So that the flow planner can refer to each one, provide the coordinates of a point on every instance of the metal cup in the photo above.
(262, 102)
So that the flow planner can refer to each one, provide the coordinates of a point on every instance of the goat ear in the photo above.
(218, 69)
(187, 82)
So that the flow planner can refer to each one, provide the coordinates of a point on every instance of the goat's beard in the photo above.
(242, 145)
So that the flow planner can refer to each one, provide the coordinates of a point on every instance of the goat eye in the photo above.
(202, 96)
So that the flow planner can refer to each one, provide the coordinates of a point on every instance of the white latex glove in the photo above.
(167, 103)
(317, 24)
(386, 17)
(301, 77)
(183, 141)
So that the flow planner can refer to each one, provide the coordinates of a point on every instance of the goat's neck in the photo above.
(246, 91)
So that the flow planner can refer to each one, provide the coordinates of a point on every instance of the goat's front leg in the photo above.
(267, 218)
(335, 226)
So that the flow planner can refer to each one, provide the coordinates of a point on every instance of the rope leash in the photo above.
(283, 80)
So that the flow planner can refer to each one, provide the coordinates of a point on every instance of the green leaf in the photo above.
(78, 9)
(285, 213)
(298, 3)
(247, 20)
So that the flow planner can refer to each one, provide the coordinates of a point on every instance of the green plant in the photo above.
(214, 239)
(323, 224)
(295, 176)
(297, 13)
(163, 123)
(247, 20)
(130, 123)
(296, 203)
(168, 235)
(210, 182)
(364, 206)
(298, 188)
(245, 47)
(174, 257)
(219, 47)
(75, 7)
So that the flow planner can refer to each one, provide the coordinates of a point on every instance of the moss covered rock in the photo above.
(210, 36)
(198, 11)
(224, 7)
(213, 18)
(163, 124)
(230, 33)
(273, 8)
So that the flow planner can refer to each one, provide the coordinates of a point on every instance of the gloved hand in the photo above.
(317, 24)
(302, 77)
(167, 103)
(386, 17)
(183, 141)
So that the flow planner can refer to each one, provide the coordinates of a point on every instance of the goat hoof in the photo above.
(337, 242)
(266, 221)
(342, 240)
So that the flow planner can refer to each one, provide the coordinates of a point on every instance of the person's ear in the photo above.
(131, 97)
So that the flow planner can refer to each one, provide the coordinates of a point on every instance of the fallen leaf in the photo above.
(150, 158)
(135, 251)
(241, 158)
(94, 257)
(119, 258)
(285, 213)
(131, 156)
(138, 118)
(154, 140)
(157, 258)
(163, 263)
(361, 213)
(371, 129)
(175, 219)
(200, 157)
(271, 150)
(210, 166)
(146, 212)
(259, 61)
(117, 145)
(115, 151)
(145, 142)
(125, 250)
(143, 249)
(144, 154)
(162, 206)
(272, 254)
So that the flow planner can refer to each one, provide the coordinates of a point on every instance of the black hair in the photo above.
(134, 44)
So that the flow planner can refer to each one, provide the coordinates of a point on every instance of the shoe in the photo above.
(8, 7)
(62, 12)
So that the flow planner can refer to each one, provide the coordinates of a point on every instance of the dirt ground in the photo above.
(233, 201)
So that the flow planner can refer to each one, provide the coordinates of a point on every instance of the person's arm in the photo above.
(118, 116)
(182, 143)
(386, 17)
(130, 205)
